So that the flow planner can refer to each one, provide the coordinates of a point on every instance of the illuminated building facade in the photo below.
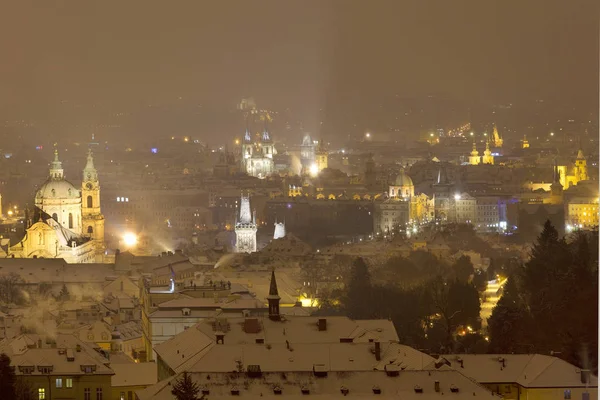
(321, 157)
(497, 139)
(474, 158)
(257, 154)
(69, 222)
(245, 228)
(582, 213)
(487, 158)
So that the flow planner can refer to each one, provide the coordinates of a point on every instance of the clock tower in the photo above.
(92, 218)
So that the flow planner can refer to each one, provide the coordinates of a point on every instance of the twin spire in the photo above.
(57, 171)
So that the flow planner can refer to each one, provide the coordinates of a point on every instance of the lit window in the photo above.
(122, 396)
(58, 382)
(118, 199)
(69, 382)
(41, 394)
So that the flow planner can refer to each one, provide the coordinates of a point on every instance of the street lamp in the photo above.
(130, 239)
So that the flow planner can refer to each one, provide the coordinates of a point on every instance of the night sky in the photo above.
(305, 55)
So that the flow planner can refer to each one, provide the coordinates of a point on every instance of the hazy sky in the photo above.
(298, 53)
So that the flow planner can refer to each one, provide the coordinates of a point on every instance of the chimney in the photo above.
(437, 386)
(220, 337)
(585, 376)
(378, 350)
(322, 324)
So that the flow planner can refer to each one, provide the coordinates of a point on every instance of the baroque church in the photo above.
(69, 223)
(257, 153)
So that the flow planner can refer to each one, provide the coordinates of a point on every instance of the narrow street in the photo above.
(491, 299)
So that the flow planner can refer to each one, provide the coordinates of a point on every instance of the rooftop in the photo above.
(408, 385)
(527, 370)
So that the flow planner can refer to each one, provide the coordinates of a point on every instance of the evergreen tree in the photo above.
(463, 268)
(359, 301)
(185, 389)
(64, 293)
(7, 378)
(508, 323)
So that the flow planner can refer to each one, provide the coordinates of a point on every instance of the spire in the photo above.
(56, 169)
(90, 161)
(247, 136)
(265, 136)
(273, 299)
(89, 172)
(273, 292)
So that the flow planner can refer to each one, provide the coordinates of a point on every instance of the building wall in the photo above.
(77, 392)
(582, 214)
(125, 392)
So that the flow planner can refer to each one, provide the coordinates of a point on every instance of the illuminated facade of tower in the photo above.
(321, 157)
(474, 158)
(257, 154)
(91, 216)
(498, 141)
(581, 172)
(525, 144)
(245, 228)
(487, 158)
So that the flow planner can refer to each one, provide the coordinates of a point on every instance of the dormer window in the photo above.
(45, 369)
(26, 369)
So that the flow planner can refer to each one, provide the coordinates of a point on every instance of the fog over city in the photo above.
(332, 198)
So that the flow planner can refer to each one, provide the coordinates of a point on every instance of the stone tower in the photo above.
(91, 215)
(245, 228)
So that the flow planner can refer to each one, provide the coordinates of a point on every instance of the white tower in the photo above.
(279, 230)
(245, 228)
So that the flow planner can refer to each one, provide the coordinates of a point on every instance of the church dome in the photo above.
(403, 180)
(57, 189)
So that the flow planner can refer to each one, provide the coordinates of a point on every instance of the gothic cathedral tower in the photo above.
(92, 218)
(245, 228)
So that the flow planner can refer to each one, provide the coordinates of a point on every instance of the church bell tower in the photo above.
(92, 218)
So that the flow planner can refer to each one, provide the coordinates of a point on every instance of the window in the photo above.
(130, 395)
(41, 394)
(69, 382)
(87, 394)
(90, 202)
(568, 394)
(59, 383)
(70, 221)
(98, 393)
(55, 217)
(90, 230)
(122, 396)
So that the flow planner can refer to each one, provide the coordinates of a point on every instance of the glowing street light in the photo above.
(551, 133)
(457, 196)
(368, 135)
(313, 170)
(471, 133)
(130, 239)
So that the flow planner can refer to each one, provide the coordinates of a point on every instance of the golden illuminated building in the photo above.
(498, 141)
(525, 143)
(474, 158)
(577, 173)
(69, 222)
(582, 213)
(321, 157)
(488, 158)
